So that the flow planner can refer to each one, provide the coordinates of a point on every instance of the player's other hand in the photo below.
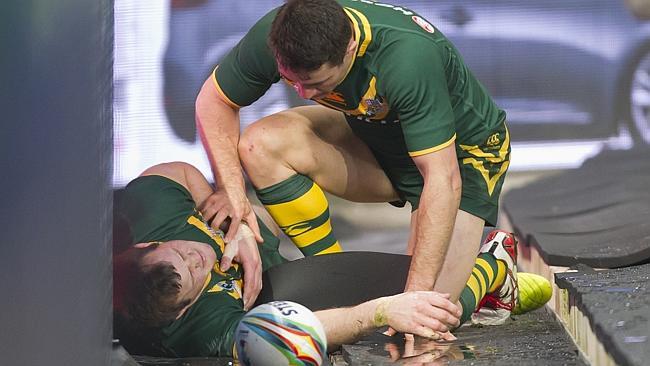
(423, 313)
(243, 249)
(230, 204)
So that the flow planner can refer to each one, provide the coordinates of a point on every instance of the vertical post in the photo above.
(55, 171)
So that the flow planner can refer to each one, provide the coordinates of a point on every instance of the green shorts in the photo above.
(482, 170)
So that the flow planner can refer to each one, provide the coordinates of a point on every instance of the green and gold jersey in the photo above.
(408, 91)
(159, 209)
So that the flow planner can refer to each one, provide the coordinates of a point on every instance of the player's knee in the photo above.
(260, 142)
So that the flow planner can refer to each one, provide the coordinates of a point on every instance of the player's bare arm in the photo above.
(218, 125)
(434, 219)
(423, 313)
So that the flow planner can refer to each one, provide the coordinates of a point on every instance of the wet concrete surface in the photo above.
(617, 304)
(530, 339)
(534, 339)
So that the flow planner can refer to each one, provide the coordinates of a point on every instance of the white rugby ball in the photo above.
(280, 333)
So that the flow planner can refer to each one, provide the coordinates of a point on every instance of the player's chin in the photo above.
(320, 96)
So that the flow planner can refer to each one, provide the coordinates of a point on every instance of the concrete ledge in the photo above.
(599, 327)
(609, 312)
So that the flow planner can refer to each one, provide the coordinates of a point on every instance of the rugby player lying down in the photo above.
(179, 291)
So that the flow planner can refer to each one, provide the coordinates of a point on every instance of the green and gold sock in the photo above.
(299, 207)
(487, 275)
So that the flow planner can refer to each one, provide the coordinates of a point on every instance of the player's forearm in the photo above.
(347, 325)
(218, 125)
(435, 223)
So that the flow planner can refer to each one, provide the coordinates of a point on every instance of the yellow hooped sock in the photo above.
(487, 276)
(299, 207)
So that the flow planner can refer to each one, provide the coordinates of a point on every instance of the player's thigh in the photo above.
(335, 158)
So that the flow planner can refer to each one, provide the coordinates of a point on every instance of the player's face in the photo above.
(192, 261)
(319, 83)
(315, 84)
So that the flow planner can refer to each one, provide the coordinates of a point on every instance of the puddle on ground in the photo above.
(400, 351)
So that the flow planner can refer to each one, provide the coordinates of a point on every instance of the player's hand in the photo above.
(422, 351)
(232, 204)
(243, 249)
(423, 313)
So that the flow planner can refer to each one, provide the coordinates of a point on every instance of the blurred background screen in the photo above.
(572, 75)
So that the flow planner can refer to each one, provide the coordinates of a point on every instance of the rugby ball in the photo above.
(280, 333)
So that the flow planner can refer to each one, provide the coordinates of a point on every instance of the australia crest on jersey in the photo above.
(231, 286)
(375, 107)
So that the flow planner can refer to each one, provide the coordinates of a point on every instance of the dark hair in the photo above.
(307, 34)
(146, 295)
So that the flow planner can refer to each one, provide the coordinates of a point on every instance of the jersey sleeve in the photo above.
(412, 71)
(155, 207)
(209, 328)
(249, 69)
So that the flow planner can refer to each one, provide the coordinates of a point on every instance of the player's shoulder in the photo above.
(156, 184)
(383, 16)
(262, 27)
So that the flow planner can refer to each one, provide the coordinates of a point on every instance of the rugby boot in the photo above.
(495, 307)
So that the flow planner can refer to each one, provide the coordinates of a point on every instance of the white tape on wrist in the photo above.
(244, 232)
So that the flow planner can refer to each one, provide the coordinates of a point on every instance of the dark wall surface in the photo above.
(56, 162)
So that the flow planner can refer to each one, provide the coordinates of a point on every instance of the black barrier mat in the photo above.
(196, 361)
(120, 357)
(598, 214)
(336, 280)
(530, 339)
(617, 304)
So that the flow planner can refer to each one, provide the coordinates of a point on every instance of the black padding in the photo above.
(336, 280)
(616, 303)
(598, 214)
(190, 361)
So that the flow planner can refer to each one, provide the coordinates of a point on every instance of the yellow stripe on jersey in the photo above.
(489, 157)
(230, 286)
(476, 150)
(433, 149)
(207, 281)
(220, 91)
(355, 25)
(366, 31)
(199, 224)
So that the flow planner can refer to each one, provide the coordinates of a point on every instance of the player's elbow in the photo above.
(456, 182)
(209, 101)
